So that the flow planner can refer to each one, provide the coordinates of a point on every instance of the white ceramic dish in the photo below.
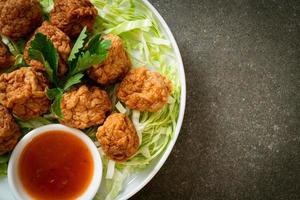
(137, 181)
(15, 185)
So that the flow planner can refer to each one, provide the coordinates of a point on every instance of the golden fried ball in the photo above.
(144, 90)
(71, 16)
(6, 59)
(9, 131)
(23, 91)
(85, 106)
(60, 41)
(116, 65)
(118, 137)
(18, 18)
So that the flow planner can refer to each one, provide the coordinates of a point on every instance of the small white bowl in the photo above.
(13, 178)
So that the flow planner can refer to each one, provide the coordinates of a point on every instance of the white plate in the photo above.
(137, 181)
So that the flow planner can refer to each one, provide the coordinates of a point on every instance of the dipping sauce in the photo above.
(56, 165)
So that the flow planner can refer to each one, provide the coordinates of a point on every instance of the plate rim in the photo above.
(182, 78)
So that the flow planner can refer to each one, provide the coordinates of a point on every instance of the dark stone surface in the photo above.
(241, 134)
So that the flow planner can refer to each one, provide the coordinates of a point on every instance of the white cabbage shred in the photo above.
(147, 46)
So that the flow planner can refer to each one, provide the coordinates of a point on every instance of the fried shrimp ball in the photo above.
(118, 137)
(144, 90)
(18, 18)
(116, 65)
(60, 41)
(23, 91)
(71, 16)
(84, 107)
(6, 59)
(9, 131)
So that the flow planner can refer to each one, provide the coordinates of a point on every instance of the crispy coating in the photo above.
(18, 18)
(71, 16)
(60, 41)
(9, 131)
(85, 106)
(118, 137)
(6, 59)
(23, 91)
(144, 90)
(116, 65)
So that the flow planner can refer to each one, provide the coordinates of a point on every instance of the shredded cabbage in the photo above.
(146, 45)
(136, 122)
(110, 169)
(120, 108)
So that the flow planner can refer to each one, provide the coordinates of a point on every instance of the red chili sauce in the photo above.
(56, 165)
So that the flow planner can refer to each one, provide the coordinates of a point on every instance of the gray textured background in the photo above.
(241, 134)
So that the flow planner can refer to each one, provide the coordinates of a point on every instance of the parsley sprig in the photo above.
(43, 50)
(85, 53)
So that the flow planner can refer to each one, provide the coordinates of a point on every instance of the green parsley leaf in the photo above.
(88, 59)
(83, 56)
(53, 93)
(78, 44)
(43, 50)
(93, 43)
(37, 55)
(56, 108)
(103, 49)
(73, 81)
(97, 46)
(85, 61)
(105, 44)
(56, 94)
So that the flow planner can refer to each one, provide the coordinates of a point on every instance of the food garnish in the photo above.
(84, 54)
